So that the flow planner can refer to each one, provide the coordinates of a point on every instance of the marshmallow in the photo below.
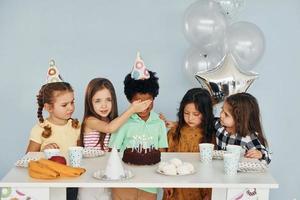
(176, 161)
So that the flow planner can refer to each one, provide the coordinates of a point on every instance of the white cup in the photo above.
(206, 151)
(75, 156)
(51, 152)
(231, 163)
(235, 149)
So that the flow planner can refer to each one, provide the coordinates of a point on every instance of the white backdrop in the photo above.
(100, 38)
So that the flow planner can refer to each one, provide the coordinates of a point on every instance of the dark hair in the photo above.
(203, 103)
(245, 112)
(144, 86)
(46, 95)
(94, 86)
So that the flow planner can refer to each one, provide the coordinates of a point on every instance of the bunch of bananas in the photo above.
(47, 169)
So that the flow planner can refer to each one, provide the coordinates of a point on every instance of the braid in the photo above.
(47, 131)
(46, 96)
(40, 103)
(75, 123)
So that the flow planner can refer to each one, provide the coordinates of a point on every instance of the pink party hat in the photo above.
(53, 73)
(139, 71)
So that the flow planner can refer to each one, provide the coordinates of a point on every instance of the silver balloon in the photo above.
(226, 80)
(204, 25)
(246, 43)
(203, 59)
(230, 7)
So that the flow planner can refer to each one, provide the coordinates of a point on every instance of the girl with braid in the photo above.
(58, 130)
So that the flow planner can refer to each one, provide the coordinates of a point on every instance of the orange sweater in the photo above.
(189, 142)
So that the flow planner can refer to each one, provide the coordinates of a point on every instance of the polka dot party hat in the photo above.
(53, 73)
(139, 71)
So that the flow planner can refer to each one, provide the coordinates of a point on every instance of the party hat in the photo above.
(139, 71)
(114, 168)
(53, 73)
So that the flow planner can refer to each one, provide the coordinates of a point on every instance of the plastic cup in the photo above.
(51, 152)
(75, 156)
(206, 152)
(231, 163)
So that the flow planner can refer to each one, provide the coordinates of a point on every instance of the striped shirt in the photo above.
(91, 139)
(223, 138)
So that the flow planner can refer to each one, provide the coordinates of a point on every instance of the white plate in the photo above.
(100, 175)
(252, 166)
(218, 154)
(24, 161)
(161, 172)
(91, 152)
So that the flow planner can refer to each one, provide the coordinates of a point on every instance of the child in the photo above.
(100, 119)
(100, 113)
(195, 125)
(141, 84)
(239, 124)
(59, 130)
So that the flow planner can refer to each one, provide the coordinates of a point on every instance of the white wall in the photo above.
(100, 38)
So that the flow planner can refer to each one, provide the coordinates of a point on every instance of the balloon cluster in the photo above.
(221, 53)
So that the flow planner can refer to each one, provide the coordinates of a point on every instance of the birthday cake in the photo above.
(141, 156)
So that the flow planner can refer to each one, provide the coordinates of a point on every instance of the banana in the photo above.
(37, 175)
(37, 170)
(63, 170)
(47, 169)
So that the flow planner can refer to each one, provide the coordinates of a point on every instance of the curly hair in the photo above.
(246, 115)
(202, 100)
(46, 95)
(149, 86)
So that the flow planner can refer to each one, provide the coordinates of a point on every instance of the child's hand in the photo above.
(51, 146)
(168, 192)
(140, 106)
(253, 153)
(169, 124)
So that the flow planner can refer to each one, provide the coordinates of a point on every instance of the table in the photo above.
(206, 176)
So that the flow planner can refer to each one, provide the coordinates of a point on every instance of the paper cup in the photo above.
(51, 152)
(235, 149)
(75, 156)
(231, 163)
(206, 152)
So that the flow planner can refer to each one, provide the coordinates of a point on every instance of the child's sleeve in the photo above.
(163, 140)
(36, 134)
(256, 144)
